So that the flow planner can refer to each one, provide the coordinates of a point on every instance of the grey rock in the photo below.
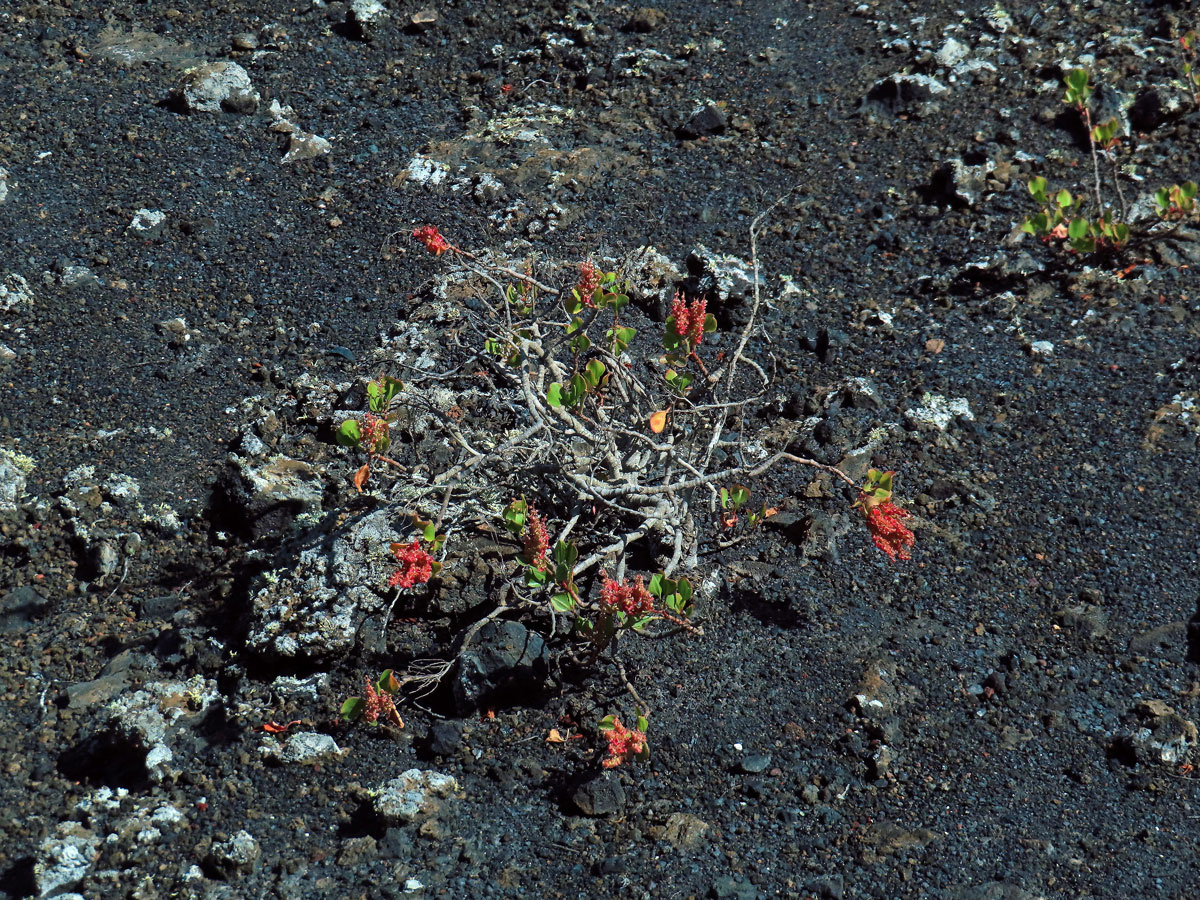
(216, 86)
(708, 120)
(936, 413)
(20, 607)
(146, 720)
(445, 737)
(267, 496)
(503, 657)
(7, 354)
(365, 18)
(413, 793)
(303, 145)
(901, 91)
(87, 694)
(602, 795)
(951, 53)
(237, 856)
(684, 831)
(64, 858)
(827, 887)
(730, 276)
(1087, 620)
(305, 748)
(887, 839)
(1161, 737)
(881, 694)
(3, 184)
(244, 40)
(756, 763)
(1164, 640)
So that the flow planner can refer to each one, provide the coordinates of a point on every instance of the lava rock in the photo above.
(304, 748)
(504, 658)
(646, 19)
(236, 856)
(260, 498)
(445, 737)
(602, 795)
(413, 793)
(705, 121)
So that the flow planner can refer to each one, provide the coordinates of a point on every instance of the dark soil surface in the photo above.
(1010, 714)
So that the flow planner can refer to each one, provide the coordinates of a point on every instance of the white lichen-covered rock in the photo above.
(15, 293)
(304, 748)
(936, 413)
(215, 86)
(411, 794)
(147, 718)
(315, 610)
(3, 184)
(147, 222)
(14, 467)
(64, 858)
(236, 856)
(731, 276)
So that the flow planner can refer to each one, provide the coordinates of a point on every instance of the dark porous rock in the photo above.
(20, 607)
(602, 795)
(504, 661)
(705, 121)
(1165, 640)
(995, 890)
(1158, 736)
(888, 839)
(1086, 620)
(729, 887)
(445, 737)
(684, 831)
(257, 498)
(827, 887)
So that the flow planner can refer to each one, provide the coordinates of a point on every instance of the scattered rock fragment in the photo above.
(15, 293)
(3, 184)
(936, 413)
(1159, 737)
(887, 839)
(14, 467)
(216, 86)
(148, 223)
(707, 120)
(365, 18)
(305, 748)
(602, 795)
(898, 92)
(646, 19)
(64, 858)
(413, 793)
(684, 831)
(237, 856)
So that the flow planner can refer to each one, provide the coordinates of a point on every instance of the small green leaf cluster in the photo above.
(674, 593)
(1060, 218)
(1177, 201)
(591, 379)
(1191, 72)
(1078, 88)
(558, 571)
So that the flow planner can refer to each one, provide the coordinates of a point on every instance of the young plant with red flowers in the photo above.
(378, 705)
(373, 434)
(885, 520)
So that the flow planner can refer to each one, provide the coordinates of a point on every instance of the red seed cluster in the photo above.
(890, 534)
(689, 318)
(589, 281)
(432, 239)
(380, 705)
(631, 599)
(416, 566)
(536, 541)
(623, 744)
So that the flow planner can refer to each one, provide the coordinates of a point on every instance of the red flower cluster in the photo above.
(890, 534)
(631, 599)
(623, 744)
(416, 566)
(432, 239)
(589, 281)
(689, 318)
(381, 705)
(536, 541)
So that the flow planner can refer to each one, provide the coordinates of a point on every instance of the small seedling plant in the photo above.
(373, 434)
(378, 705)
(1064, 216)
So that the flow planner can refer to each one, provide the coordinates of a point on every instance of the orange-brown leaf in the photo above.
(360, 477)
(658, 421)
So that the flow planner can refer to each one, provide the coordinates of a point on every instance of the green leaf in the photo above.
(594, 371)
(562, 602)
(353, 708)
(429, 532)
(349, 435)
(643, 724)
(640, 624)
(685, 590)
(655, 587)
(672, 341)
(1037, 187)
(1078, 229)
(710, 323)
(554, 395)
(1120, 235)
(1064, 199)
(739, 495)
(608, 723)
(579, 344)
(1188, 190)
(576, 391)
(387, 682)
